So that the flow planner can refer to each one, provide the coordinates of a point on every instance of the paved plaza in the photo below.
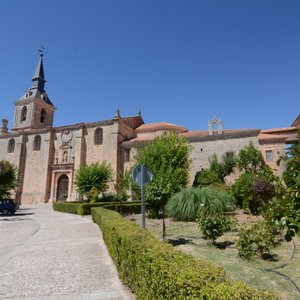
(51, 255)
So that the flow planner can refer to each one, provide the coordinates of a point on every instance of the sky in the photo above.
(175, 61)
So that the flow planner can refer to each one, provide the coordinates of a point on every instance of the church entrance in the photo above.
(62, 188)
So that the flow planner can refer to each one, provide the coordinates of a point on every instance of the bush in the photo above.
(263, 192)
(125, 208)
(185, 204)
(155, 270)
(213, 223)
(205, 178)
(252, 190)
(255, 239)
(223, 168)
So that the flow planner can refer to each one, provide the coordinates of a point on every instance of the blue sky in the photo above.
(176, 61)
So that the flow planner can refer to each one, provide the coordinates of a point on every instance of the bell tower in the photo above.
(34, 109)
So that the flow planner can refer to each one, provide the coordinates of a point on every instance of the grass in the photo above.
(254, 273)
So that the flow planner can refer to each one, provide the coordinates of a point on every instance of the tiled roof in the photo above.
(160, 126)
(263, 137)
(203, 135)
(279, 130)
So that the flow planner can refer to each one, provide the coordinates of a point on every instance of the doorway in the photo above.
(62, 188)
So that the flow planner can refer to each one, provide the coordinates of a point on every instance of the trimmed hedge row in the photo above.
(155, 270)
(81, 208)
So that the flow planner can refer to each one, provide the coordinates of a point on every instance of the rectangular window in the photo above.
(269, 155)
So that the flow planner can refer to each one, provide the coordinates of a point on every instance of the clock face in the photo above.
(66, 136)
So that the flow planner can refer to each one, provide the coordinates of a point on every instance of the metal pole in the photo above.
(142, 195)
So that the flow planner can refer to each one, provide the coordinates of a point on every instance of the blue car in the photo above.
(8, 206)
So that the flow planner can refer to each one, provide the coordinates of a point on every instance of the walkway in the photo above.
(50, 255)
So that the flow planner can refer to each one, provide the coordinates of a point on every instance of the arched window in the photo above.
(43, 116)
(37, 142)
(11, 146)
(65, 156)
(23, 113)
(98, 136)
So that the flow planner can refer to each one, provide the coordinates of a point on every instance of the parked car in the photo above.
(8, 206)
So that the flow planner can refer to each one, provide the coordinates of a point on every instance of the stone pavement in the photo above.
(51, 255)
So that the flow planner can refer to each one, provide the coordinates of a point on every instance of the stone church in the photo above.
(47, 157)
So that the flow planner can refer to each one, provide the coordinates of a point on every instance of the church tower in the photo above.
(34, 109)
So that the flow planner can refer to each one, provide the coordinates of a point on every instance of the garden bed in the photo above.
(261, 274)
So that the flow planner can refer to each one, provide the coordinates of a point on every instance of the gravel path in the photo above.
(50, 255)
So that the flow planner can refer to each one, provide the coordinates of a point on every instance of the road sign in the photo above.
(141, 175)
(137, 175)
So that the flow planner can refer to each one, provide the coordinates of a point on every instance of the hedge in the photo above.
(155, 270)
(83, 208)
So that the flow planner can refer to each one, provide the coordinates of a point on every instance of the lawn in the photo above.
(281, 276)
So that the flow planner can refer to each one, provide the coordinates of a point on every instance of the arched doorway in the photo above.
(62, 188)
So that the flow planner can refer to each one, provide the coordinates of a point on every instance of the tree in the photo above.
(93, 179)
(285, 209)
(168, 159)
(250, 159)
(8, 178)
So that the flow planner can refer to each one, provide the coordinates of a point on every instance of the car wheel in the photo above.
(12, 212)
(4, 212)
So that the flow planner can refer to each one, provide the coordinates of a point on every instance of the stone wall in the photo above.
(203, 150)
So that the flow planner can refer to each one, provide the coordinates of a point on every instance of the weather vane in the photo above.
(42, 50)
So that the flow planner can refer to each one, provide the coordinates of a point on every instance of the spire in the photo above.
(38, 79)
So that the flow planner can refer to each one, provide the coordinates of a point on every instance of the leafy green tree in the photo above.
(250, 159)
(168, 159)
(93, 179)
(205, 177)
(8, 178)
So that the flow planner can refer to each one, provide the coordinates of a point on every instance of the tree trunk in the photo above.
(164, 225)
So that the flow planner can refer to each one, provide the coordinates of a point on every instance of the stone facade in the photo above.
(47, 157)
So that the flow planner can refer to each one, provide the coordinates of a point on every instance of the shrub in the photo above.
(155, 270)
(223, 168)
(263, 192)
(252, 190)
(213, 223)
(257, 238)
(205, 178)
(185, 204)
(125, 208)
